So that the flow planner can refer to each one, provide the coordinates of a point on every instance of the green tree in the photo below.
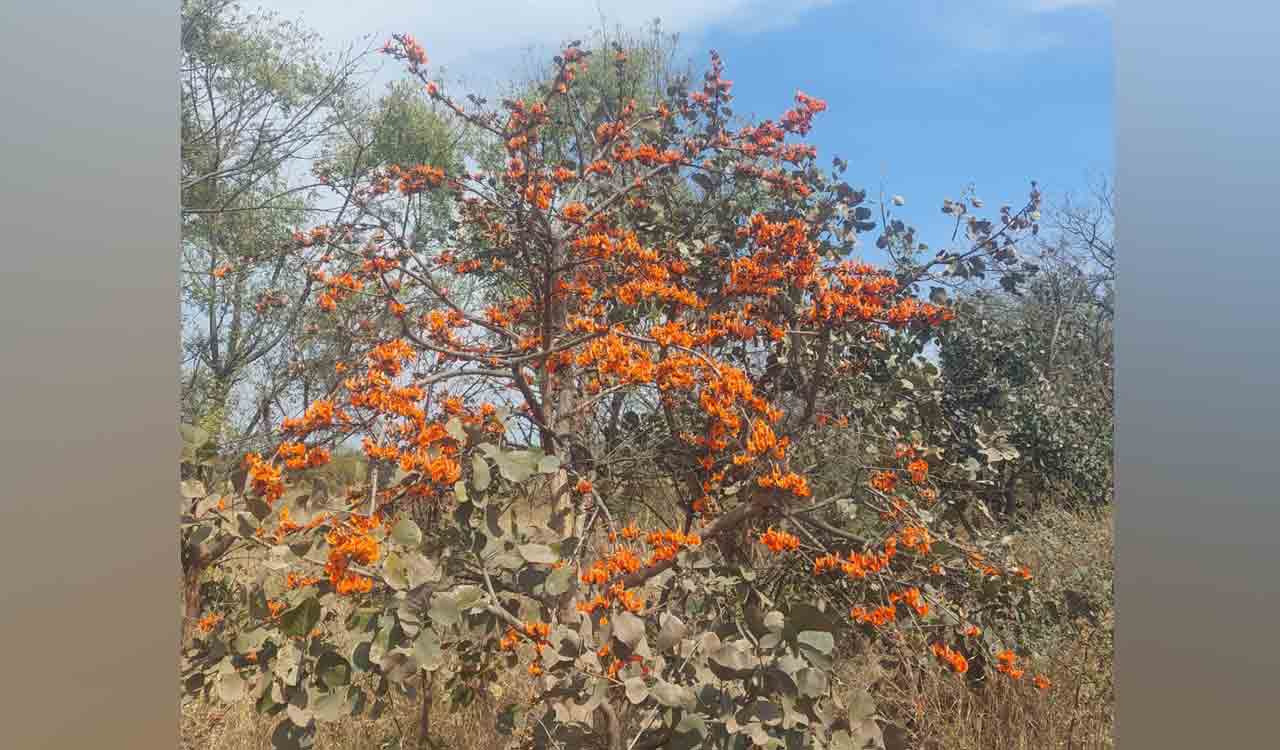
(257, 99)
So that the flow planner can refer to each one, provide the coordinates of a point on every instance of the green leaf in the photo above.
(251, 640)
(516, 466)
(861, 707)
(357, 701)
(444, 610)
(759, 710)
(468, 596)
(811, 682)
(360, 656)
(509, 719)
(191, 489)
(334, 670)
(406, 532)
(246, 525)
(421, 569)
(818, 640)
(480, 473)
(399, 665)
(538, 554)
(258, 507)
(330, 706)
(558, 581)
(549, 464)
(730, 662)
(395, 573)
(628, 628)
(637, 692)
(193, 435)
(426, 649)
(455, 429)
(672, 696)
(300, 620)
(288, 663)
(671, 631)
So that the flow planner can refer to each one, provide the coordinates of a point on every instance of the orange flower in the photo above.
(884, 481)
(295, 581)
(875, 618)
(951, 657)
(825, 563)
(349, 542)
(1007, 664)
(583, 486)
(912, 599)
(779, 541)
(919, 469)
(209, 622)
(917, 538)
(265, 478)
(1042, 682)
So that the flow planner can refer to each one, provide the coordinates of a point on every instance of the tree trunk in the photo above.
(424, 719)
(196, 559)
(190, 607)
(214, 419)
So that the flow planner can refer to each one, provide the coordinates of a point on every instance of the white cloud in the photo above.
(1006, 26)
(488, 39)
(456, 30)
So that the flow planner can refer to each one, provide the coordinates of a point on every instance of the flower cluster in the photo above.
(350, 542)
(209, 622)
(779, 541)
(1006, 663)
(950, 657)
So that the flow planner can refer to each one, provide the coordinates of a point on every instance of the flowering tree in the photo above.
(659, 285)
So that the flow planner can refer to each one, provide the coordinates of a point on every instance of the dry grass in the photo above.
(1071, 554)
(207, 726)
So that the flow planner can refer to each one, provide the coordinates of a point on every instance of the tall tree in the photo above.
(1036, 365)
(257, 99)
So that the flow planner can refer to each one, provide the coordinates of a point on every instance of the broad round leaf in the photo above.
(406, 532)
(480, 476)
(538, 554)
(637, 692)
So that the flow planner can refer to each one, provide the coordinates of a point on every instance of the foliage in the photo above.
(652, 266)
(256, 101)
(1038, 365)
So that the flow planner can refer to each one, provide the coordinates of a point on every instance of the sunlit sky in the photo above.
(924, 97)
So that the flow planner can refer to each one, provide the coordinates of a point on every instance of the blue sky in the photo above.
(926, 96)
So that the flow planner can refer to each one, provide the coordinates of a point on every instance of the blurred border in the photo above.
(1198, 386)
(88, 351)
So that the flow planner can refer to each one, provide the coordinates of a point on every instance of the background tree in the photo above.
(1036, 365)
(257, 99)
